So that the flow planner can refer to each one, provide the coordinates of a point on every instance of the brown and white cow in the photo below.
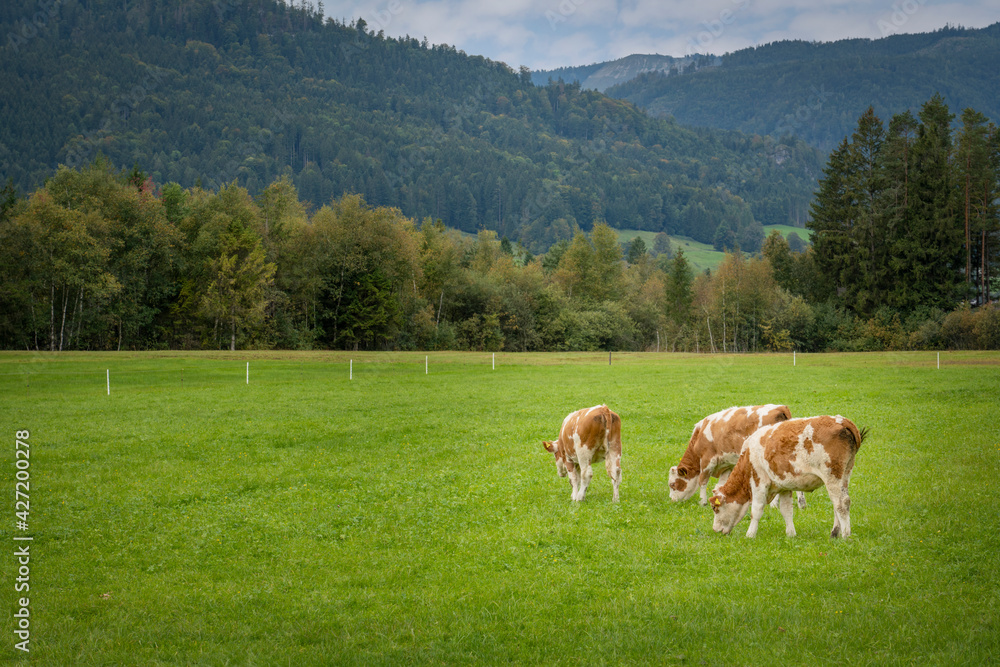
(715, 447)
(588, 435)
(794, 455)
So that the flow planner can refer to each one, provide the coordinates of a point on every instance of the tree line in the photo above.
(104, 259)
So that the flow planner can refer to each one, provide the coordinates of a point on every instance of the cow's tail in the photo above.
(611, 423)
(862, 434)
(853, 436)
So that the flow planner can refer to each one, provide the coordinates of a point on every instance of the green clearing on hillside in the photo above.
(701, 256)
(785, 230)
(401, 517)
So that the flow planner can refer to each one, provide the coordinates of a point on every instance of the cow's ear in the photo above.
(682, 471)
(549, 447)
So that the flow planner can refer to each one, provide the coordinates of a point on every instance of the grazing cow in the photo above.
(794, 455)
(715, 447)
(586, 436)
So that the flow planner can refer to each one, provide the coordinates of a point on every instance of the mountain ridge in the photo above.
(201, 93)
(814, 90)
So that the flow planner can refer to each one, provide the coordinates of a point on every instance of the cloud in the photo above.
(554, 33)
(582, 48)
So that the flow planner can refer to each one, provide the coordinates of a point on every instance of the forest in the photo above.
(816, 91)
(904, 255)
(206, 93)
(298, 183)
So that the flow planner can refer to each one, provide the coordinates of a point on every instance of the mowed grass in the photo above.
(404, 517)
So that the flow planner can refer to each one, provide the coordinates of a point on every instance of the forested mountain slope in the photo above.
(193, 91)
(817, 91)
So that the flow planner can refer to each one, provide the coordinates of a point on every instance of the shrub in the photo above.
(986, 327)
(957, 329)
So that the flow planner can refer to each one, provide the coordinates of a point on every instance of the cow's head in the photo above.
(553, 448)
(728, 512)
(683, 483)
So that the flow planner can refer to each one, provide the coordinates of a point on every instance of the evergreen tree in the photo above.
(868, 238)
(679, 296)
(832, 221)
(776, 250)
(636, 250)
(976, 165)
(927, 254)
(897, 161)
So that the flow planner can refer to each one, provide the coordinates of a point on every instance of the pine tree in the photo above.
(678, 290)
(776, 250)
(636, 250)
(832, 220)
(977, 176)
(927, 253)
(869, 234)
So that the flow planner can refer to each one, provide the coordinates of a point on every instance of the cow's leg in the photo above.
(841, 502)
(801, 496)
(841, 508)
(613, 464)
(756, 511)
(586, 474)
(703, 479)
(785, 504)
(574, 477)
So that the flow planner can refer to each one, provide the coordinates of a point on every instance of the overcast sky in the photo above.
(544, 34)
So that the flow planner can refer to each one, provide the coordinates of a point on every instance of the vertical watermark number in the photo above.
(22, 542)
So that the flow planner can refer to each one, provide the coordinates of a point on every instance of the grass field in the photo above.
(785, 230)
(401, 517)
(701, 256)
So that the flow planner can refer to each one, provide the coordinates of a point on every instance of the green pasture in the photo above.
(701, 256)
(405, 517)
(804, 234)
